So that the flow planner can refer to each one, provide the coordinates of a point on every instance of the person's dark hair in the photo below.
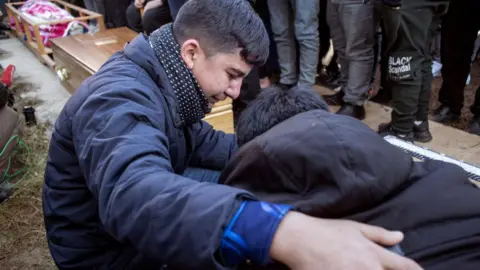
(223, 26)
(273, 106)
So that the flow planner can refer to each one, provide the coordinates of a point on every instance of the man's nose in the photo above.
(234, 90)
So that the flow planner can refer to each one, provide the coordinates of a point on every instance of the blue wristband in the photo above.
(249, 235)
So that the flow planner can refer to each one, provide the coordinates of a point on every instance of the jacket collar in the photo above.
(141, 53)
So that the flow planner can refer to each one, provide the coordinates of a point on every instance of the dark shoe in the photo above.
(444, 115)
(386, 129)
(335, 99)
(421, 132)
(474, 126)
(352, 110)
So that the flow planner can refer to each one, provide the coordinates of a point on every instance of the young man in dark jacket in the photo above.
(120, 192)
(332, 166)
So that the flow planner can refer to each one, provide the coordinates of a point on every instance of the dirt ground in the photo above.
(22, 234)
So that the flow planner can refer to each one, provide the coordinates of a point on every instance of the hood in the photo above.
(323, 164)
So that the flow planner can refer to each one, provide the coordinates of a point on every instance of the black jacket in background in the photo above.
(334, 166)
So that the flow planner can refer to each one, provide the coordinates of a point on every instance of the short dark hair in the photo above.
(223, 26)
(273, 106)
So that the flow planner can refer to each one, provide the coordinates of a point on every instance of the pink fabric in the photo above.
(45, 11)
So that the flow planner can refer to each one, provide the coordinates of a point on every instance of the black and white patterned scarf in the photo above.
(192, 101)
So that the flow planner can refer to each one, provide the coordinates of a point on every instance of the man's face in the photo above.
(220, 76)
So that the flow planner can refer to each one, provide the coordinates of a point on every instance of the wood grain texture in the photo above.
(94, 50)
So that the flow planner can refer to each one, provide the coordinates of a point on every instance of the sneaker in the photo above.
(386, 129)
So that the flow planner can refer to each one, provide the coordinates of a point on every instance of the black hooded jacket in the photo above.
(333, 166)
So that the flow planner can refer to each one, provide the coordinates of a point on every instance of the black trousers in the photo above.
(175, 6)
(152, 19)
(251, 84)
(409, 31)
(271, 66)
(115, 12)
(459, 32)
(324, 32)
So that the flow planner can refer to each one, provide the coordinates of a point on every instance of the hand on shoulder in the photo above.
(303, 242)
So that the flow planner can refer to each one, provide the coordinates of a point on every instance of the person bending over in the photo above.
(334, 166)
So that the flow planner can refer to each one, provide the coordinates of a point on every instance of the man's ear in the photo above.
(190, 50)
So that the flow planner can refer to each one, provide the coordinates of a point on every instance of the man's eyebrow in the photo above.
(238, 73)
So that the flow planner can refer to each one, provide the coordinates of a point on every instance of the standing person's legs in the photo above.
(456, 51)
(408, 30)
(377, 17)
(248, 92)
(100, 6)
(358, 20)
(475, 109)
(115, 12)
(384, 61)
(476, 48)
(323, 30)
(307, 36)
(175, 6)
(281, 19)
(155, 18)
(474, 126)
(421, 130)
(134, 18)
(332, 72)
(337, 33)
(338, 37)
(437, 47)
(427, 76)
(90, 5)
(271, 66)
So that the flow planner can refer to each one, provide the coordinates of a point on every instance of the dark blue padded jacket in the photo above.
(113, 196)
